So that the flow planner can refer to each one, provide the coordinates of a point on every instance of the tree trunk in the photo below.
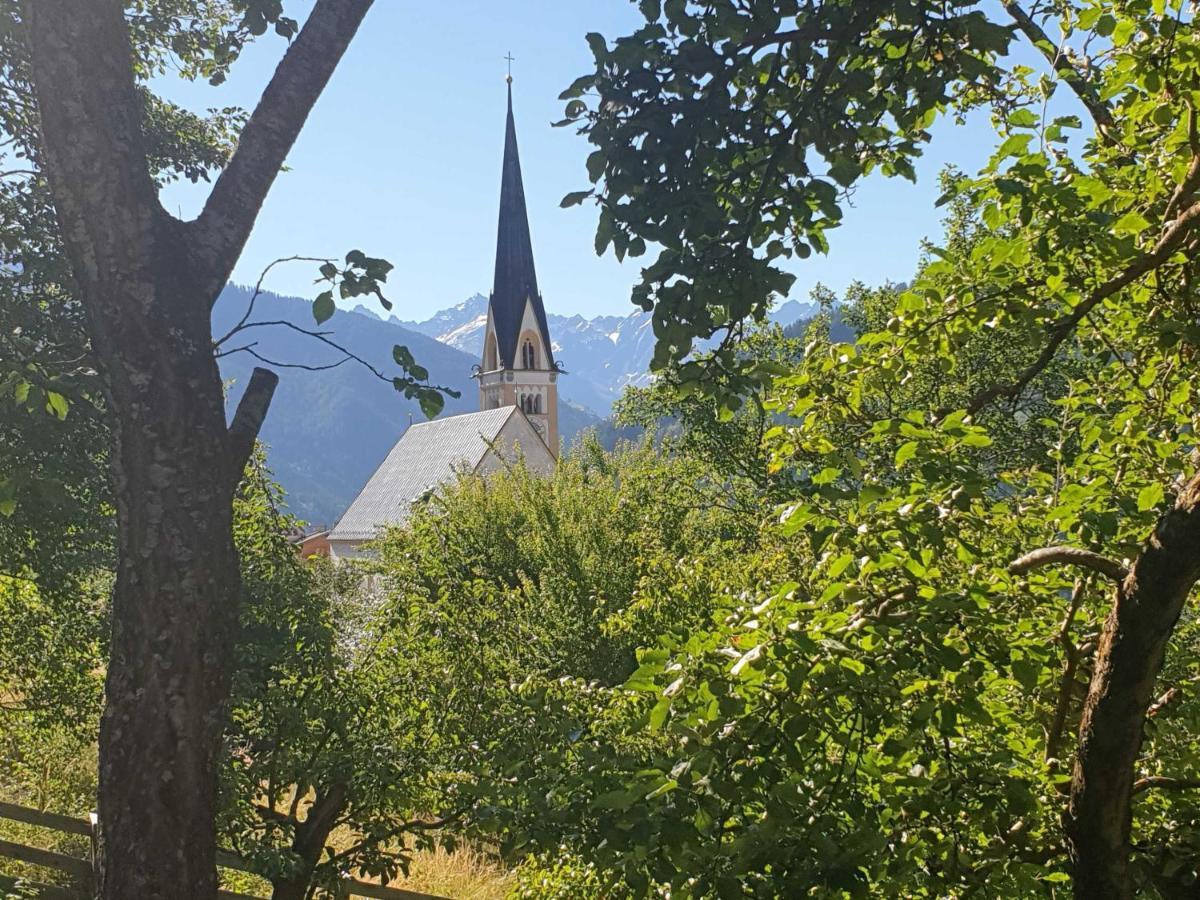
(309, 841)
(175, 607)
(1128, 660)
(148, 283)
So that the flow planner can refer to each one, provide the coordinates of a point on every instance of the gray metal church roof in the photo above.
(427, 454)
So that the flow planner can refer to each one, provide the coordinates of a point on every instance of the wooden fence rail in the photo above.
(82, 871)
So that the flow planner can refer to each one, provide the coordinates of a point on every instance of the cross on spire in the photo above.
(515, 283)
(510, 59)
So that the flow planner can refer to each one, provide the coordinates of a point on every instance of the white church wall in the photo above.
(516, 439)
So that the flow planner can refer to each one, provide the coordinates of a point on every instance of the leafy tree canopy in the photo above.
(996, 502)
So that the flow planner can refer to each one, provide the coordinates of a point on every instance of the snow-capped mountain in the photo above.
(602, 355)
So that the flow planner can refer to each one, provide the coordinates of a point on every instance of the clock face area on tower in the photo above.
(517, 366)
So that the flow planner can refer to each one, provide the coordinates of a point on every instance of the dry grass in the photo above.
(466, 873)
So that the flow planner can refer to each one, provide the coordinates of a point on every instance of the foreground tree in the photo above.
(148, 282)
(329, 764)
(371, 716)
(726, 134)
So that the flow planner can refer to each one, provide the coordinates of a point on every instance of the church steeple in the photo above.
(515, 282)
(518, 366)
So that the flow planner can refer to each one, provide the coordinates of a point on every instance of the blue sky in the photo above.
(401, 159)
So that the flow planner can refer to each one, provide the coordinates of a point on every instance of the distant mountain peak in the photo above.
(603, 355)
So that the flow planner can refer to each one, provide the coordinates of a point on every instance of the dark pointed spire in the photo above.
(515, 282)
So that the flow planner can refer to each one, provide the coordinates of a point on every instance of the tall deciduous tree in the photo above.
(148, 283)
(727, 133)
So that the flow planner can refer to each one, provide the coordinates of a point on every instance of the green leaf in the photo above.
(403, 356)
(57, 404)
(574, 198)
(828, 475)
(658, 715)
(976, 439)
(324, 307)
(432, 403)
(1022, 118)
(906, 452)
(1014, 145)
(619, 799)
(1133, 222)
(1149, 497)
(604, 232)
(852, 664)
(845, 171)
(839, 565)
(1027, 672)
(598, 45)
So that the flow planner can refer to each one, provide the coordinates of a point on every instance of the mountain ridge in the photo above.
(603, 355)
(328, 430)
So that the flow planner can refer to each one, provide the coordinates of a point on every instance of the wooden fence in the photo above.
(81, 872)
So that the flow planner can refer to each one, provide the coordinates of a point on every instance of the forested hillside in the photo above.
(330, 428)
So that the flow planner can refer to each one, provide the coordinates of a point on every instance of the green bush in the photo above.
(561, 876)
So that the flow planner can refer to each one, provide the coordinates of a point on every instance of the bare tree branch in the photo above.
(1072, 556)
(1066, 684)
(251, 411)
(1164, 783)
(403, 827)
(258, 290)
(224, 225)
(1062, 64)
(1163, 702)
(249, 348)
(321, 336)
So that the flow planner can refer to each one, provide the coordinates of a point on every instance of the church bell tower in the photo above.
(518, 367)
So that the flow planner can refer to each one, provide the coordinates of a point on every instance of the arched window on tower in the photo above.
(537, 404)
(528, 355)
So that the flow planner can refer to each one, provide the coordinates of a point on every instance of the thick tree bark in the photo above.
(148, 283)
(1128, 660)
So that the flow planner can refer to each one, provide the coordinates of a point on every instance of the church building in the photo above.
(518, 394)
(518, 366)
